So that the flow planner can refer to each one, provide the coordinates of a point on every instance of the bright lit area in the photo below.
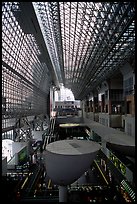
(64, 94)
(7, 148)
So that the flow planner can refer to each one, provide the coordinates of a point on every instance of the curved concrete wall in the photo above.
(67, 160)
(65, 169)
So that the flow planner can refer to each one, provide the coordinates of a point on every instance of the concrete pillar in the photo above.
(62, 193)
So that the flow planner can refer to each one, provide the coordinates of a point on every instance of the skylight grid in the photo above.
(83, 36)
(21, 68)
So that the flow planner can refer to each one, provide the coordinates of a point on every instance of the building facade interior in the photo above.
(68, 151)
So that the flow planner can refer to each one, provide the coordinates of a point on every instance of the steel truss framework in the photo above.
(87, 43)
(25, 79)
(95, 40)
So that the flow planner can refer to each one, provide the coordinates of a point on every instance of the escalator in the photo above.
(50, 135)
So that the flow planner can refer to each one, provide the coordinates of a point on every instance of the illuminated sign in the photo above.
(118, 164)
(128, 189)
(69, 125)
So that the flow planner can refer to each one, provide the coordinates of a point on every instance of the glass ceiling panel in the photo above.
(24, 75)
(93, 37)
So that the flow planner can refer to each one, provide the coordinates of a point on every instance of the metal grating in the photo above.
(48, 16)
(25, 79)
(87, 42)
(97, 38)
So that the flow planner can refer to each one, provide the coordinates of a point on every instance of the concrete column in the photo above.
(62, 193)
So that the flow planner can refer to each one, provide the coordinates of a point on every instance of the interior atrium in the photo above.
(64, 150)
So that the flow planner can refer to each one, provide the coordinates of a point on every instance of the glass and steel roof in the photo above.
(87, 41)
(25, 77)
